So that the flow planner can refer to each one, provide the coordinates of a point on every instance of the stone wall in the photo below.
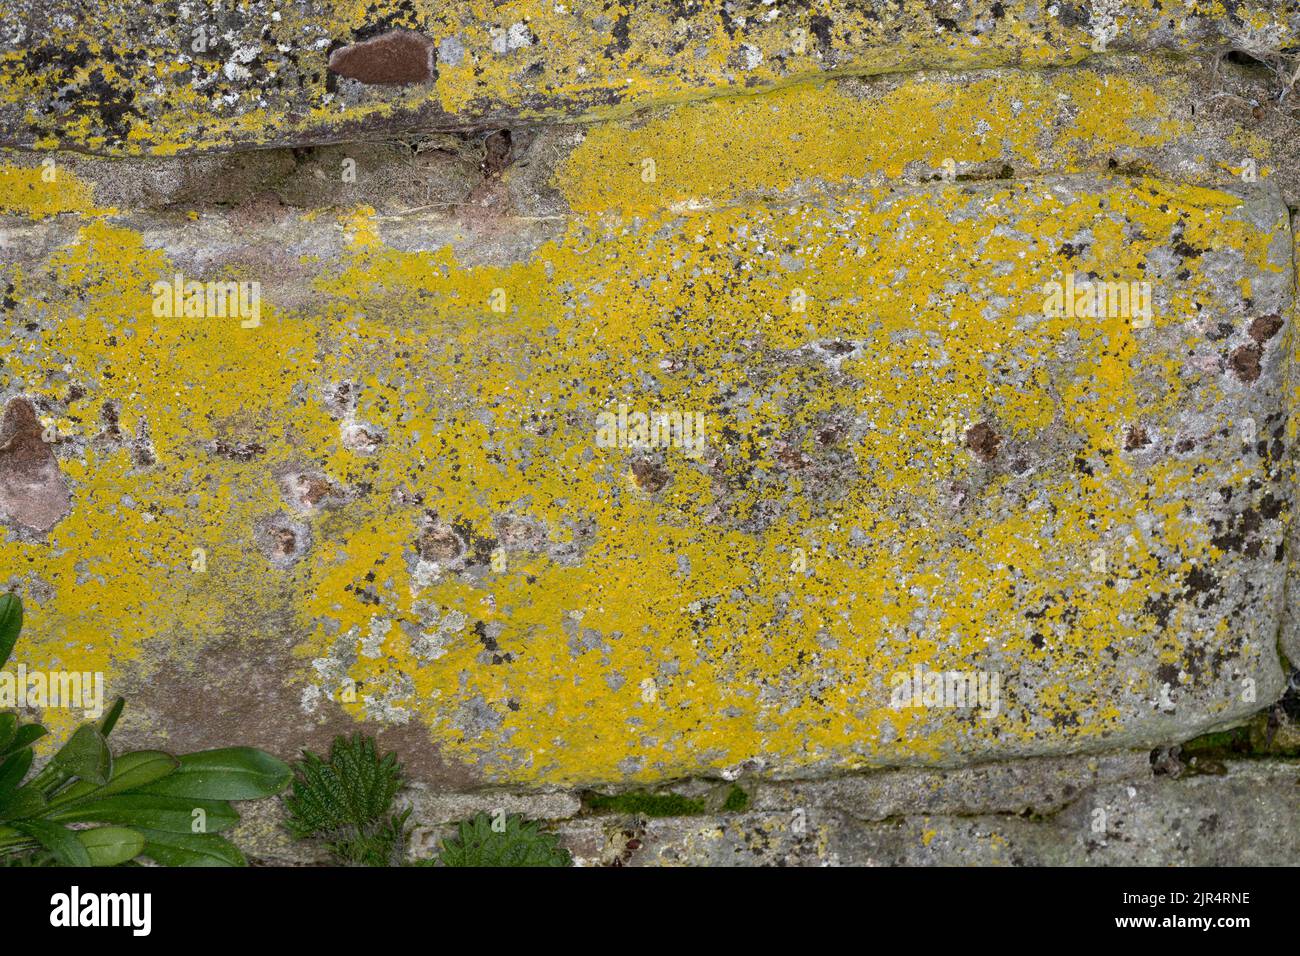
(965, 333)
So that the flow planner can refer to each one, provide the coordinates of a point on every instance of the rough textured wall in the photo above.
(972, 322)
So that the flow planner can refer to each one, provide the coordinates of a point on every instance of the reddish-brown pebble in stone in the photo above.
(397, 58)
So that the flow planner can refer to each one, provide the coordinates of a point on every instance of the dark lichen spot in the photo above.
(1167, 674)
(1135, 437)
(237, 451)
(1265, 327)
(649, 476)
(1244, 362)
(984, 441)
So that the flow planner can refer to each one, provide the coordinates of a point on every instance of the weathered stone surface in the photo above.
(1202, 121)
(335, 432)
(840, 529)
(1250, 816)
(1040, 786)
(164, 78)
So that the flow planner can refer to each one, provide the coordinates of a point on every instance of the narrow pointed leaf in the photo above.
(26, 735)
(8, 728)
(152, 812)
(12, 771)
(109, 720)
(11, 622)
(233, 773)
(60, 841)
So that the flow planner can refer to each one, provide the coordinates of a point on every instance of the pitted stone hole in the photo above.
(282, 540)
(1242, 58)
(496, 153)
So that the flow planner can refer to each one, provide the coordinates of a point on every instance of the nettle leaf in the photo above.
(233, 773)
(60, 841)
(190, 849)
(111, 846)
(519, 843)
(153, 812)
(11, 622)
(85, 755)
(352, 791)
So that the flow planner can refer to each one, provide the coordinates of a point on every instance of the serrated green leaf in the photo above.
(353, 789)
(138, 768)
(11, 622)
(190, 849)
(60, 841)
(152, 812)
(520, 843)
(232, 773)
(111, 846)
(85, 755)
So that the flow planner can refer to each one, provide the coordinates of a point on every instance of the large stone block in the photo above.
(927, 501)
(165, 78)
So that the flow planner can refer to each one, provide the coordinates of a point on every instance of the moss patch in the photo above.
(642, 803)
(737, 800)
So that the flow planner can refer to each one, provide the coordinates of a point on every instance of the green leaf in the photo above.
(23, 803)
(131, 770)
(60, 841)
(353, 789)
(152, 812)
(8, 727)
(109, 720)
(190, 849)
(11, 622)
(521, 843)
(85, 755)
(111, 846)
(26, 735)
(13, 770)
(233, 773)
